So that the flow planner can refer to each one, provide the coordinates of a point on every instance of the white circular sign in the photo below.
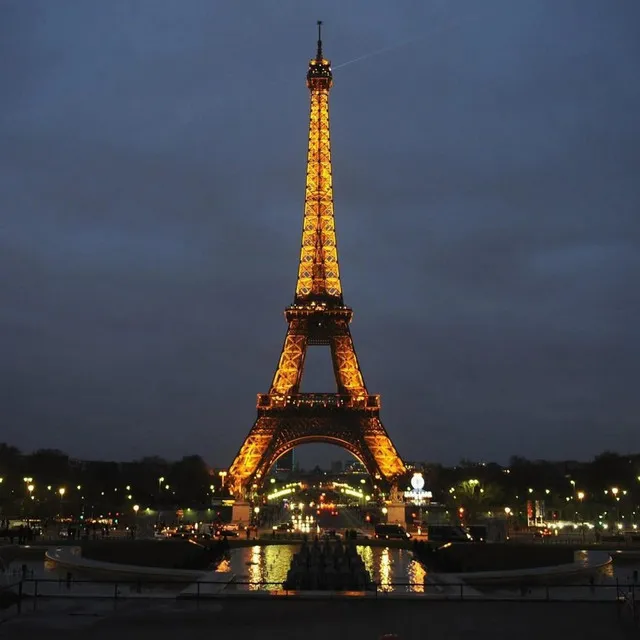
(417, 482)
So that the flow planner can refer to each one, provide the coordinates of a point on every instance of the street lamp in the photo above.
(614, 493)
(222, 475)
(30, 488)
(61, 491)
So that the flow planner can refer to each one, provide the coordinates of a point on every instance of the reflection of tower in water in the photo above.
(385, 570)
(393, 569)
(417, 574)
(268, 566)
(265, 568)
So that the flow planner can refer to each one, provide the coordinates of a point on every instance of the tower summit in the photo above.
(287, 417)
(318, 272)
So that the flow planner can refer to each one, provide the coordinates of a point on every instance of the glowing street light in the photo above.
(580, 495)
(136, 508)
(61, 491)
(223, 475)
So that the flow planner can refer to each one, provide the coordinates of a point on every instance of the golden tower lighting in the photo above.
(317, 317)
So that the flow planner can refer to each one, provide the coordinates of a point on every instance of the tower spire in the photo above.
(319, 54)
(318, 273)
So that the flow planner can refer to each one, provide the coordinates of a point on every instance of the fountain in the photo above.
(327, 566)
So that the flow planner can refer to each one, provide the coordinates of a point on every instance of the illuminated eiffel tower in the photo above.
(318, 316)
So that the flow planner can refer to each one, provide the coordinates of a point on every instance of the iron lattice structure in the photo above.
(318, 316)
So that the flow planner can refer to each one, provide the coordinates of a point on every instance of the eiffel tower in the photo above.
(318, 316)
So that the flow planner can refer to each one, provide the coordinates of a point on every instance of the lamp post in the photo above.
(159, 498)
(30, 488)
(614, 492)
(223, 475)
(136, 508)
(61, 491)
(507, 513)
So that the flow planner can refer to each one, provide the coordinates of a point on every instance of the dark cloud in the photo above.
(151, 181)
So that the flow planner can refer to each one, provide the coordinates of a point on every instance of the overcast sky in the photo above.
(487, 192)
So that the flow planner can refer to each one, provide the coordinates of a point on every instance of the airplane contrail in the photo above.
(404, 43)
(377, 52)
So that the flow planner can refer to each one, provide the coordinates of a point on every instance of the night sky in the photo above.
(487, 188)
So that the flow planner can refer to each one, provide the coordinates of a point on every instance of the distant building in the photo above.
(336, 466)
(286, 463)
(353, 466)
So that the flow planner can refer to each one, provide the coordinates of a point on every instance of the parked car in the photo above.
(391, 532)
(357, 534)
(331, 533)
(448, 533)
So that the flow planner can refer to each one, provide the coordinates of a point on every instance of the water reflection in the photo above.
(393, 569)
(255, 569)
(366, 553)
(224, 566)
(417, 574)
(261, 568)
(385, 571)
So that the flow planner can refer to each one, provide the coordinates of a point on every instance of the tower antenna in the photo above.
(319, 54)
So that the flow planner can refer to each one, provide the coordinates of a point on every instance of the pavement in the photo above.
(351, 619)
